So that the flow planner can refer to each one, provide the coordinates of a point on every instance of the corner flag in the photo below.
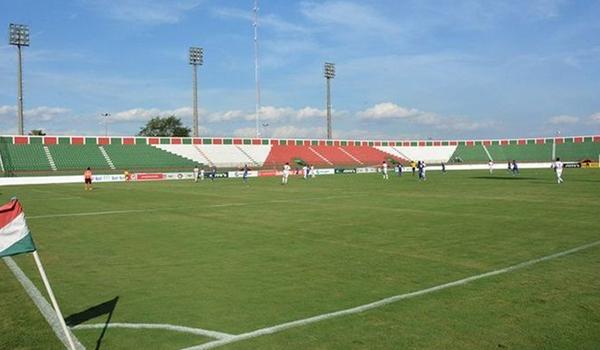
(15, 237)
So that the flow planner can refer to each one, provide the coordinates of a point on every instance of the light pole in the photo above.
(196, 59)
(19, 36)
(256, 66)
(329, 74)
(105, 115)
(557, 134)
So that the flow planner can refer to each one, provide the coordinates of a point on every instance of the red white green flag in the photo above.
(15, 237)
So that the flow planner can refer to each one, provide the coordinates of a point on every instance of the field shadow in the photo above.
(503, 177)
(105, 308)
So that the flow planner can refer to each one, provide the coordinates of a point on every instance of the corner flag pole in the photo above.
(61, 319)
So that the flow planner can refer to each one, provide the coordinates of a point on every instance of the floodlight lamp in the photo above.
(19, 34)
(196, 56)
(329, 70)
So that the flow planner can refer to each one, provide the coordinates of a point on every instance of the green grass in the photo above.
(233, 258)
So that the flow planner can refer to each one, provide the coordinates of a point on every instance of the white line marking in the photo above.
(382, 302)
(38, 299)
(129, 211)
(167, 327)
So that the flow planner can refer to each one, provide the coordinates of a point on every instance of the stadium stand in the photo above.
(142, 156)
(336, 155)
(225, 155)
(281, 154)
(68, 157)
(370, 155)
(22, 154)
(578, 151)
(469, 154)
(257, 153)
(24, 158)
(190, 152)
(428, 154)
(523, 153)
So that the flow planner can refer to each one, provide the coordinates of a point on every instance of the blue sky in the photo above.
(405, 69)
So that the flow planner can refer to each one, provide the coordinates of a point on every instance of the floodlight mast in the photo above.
(19, 36)
(256, 67)
(329, 74)
(106, 116)
(196, 59)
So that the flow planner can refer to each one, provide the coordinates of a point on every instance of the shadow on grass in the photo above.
(107, 307)
(492, 177)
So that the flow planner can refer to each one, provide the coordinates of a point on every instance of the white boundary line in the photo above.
(147, 210)
(383, 302)
(166, 327)
(38, 299)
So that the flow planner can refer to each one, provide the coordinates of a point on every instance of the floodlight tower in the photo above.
(106, 116)
(19, 36)
(256, 68)
(196, 59)
(556, 135)
(329, 74)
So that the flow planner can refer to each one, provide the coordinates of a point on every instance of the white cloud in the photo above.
(361, 18)
(594, 118)
(271, 113)
(142, 114)
(392, 111)
(298, 132)
(146, 11)
(563, 119)
(226, 116)
(310, 112)
(389, 110)
(42, 113)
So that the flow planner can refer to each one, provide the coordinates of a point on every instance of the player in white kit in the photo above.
(384, 170)
(491, 166)
(196, 172)
(558, 169)
(286, 173)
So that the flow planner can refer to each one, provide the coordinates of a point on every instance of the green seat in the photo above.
(24, 157)
(143, 156)
(67, 157)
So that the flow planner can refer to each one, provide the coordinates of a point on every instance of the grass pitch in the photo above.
(234, 258)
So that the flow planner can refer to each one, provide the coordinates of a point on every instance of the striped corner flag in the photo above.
(15, 237)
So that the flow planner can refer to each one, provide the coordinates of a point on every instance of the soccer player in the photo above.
(422, 175)
(413, 165)
(558, 169)
(312, 171)
(87, 179)
(202, 174)
(443, 168)
(213, 173)
(127, 175)
(196, 173)
(400, 169)
(515, 168)
(245, 175)
(509, 166)
(384, 170)
(491, 166)
(305, 172)
(286, 173)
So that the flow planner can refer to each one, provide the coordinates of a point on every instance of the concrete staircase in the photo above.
(50, 159)
(107, 157)
(247, 155)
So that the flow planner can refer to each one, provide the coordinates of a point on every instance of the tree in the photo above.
(168, 126)
(37, 132)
